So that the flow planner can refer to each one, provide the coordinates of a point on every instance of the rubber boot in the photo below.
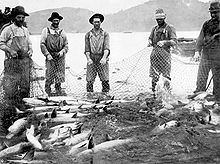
(89, 86)
(105, 86)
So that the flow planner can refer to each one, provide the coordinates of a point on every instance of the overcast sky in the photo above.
(102, 6)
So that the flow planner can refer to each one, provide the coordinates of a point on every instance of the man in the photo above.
(97, 52)
(54, 46)
(162, 37)
(15, 41)
(208, 48)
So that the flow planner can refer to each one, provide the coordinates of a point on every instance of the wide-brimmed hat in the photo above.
(214, 6)
(159, 14)
(97, 15)
(18, 10)
(55, 15)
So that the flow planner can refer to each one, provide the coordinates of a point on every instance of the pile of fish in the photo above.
(53, 122)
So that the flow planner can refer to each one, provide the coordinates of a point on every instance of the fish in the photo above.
(198, 106)
(74, 139)
(167, 125)
(201, 96)
(32, 139)
(34, 101)
(71, 125)
(105, 146)
(58, 134)
(79, 147)
(86, 106)
(87, 144)
(17, 127)
(42, 109)
(31, 162)
(214, 131)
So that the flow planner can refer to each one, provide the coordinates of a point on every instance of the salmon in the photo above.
(74, 139)
(32, 139)
(105, 146)
(16, 127)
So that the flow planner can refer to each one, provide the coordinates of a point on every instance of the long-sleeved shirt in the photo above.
(166, 32)
(53, 30)
(7, 35)
(209, 28)
(96, 43)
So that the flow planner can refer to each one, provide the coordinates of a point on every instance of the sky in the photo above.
(101, 6)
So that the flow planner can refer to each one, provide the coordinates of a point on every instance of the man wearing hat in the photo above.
(16, 43)
(97, 52)
(54, 46)
(208, 49)
(162, 37)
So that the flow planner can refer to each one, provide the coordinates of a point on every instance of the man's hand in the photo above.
(61, 53)
(161, 43)
(149, 43)
(103, 61)
(89, 61)
(30, 53)
(49, 57)
(13, 53)
(196, 57)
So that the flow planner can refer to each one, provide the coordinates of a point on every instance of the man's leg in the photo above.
(216, 80)
(91, 74)
(103, 72)
(49, 76)
(202, 76)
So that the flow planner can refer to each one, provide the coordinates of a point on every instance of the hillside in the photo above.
(183, 14)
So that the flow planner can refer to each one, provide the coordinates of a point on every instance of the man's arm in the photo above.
(43, 43)
(4, 38)
(65, 47)
(87, 49)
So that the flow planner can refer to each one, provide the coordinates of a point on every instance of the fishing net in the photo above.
(127, 78)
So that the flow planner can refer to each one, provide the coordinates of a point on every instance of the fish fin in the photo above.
(97, 101)
(46, 115)
(113, 97)
(91, 143)
(54, 113)
(68, 111)
(74, 115)
(105, 109)
(29, 155)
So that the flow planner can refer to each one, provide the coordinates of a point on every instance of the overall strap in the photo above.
(48, 30)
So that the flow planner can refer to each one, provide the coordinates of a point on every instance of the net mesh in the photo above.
(128, 77)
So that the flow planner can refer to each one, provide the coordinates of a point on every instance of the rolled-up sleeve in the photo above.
(4, 37)
(65, 44)
(87, 43)
(106, 41)
(29, 41)
(43, 42)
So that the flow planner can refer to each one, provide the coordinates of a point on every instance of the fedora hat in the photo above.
(55, 15)
(97, 15)
(159, 14)
(214, 6)
(18, 10)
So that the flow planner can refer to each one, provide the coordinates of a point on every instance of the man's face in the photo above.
(160, 21)
(55, 22)
(96, 23)
(215, 15)
(19, 20)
